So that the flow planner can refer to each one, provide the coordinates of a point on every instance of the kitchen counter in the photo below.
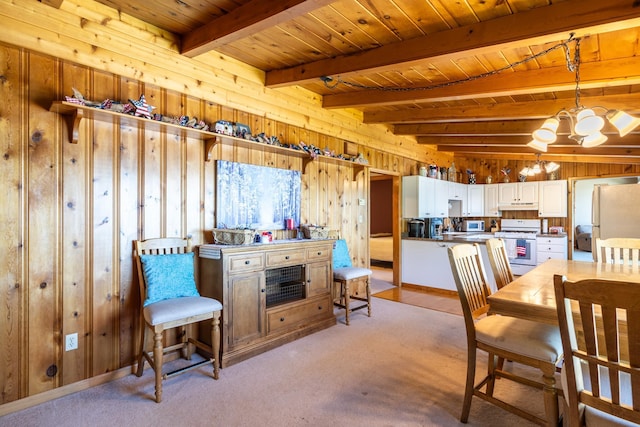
(455, 237)
(425, 262)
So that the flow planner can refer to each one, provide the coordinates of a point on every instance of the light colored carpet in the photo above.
(404, 366)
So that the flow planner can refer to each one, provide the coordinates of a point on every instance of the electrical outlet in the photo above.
(71, 342)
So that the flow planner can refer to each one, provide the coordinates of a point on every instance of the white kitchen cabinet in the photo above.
(553, 247)
(475, 200)
(424, 197)
(518, 195)
(458, 192)
(441, 198)
(491, 200)
(552, 198)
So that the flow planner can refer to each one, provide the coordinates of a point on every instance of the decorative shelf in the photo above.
(74, 113)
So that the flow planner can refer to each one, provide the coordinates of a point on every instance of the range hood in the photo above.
(518, 206)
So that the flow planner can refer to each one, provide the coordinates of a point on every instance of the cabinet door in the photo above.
(508, 193)
(552, 198)
(491, 200)
(246, 308)
(528, 192)
(417, 197)
(319, 278)
(441, 198)
(475, 194)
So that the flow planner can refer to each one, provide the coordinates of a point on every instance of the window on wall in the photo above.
(256, 197)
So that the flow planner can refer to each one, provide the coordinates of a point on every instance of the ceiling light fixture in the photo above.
(586, 125)
(538, 167)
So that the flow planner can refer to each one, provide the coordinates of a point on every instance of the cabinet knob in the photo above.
(287, 257)
(319, 307)
(282, 319)
(247, 262)
(263, 290)
(319, 253)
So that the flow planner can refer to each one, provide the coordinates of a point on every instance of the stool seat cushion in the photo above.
(348, 273)
(179, 308)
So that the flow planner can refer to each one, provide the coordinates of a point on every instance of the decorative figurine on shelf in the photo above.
(505, 172)
(141, 108)
(489, 179)
(472, 176)
(433, 171)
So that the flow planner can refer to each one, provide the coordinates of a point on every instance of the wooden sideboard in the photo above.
(271, 293)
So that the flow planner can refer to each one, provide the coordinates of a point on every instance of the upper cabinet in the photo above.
(475, 200)
(491, 200)
(518, 196)
(552, 198)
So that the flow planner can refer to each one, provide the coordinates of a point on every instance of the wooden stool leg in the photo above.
(143, 339)
(347, 301)
(215, 343)
(157, 362)
(368, 297)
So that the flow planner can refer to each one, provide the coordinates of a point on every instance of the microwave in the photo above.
(472, 225)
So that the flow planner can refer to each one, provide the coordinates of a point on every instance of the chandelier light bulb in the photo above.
(588, 123)
(594, 140)
(623, 122)
(551, 167)
(547, 132)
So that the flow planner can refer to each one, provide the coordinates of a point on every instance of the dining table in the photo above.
(532, 296)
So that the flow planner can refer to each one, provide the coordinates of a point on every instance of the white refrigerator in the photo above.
(616, 212)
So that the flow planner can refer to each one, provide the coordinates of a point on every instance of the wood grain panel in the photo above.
(75, 251)
(41, 319)
(12, 210)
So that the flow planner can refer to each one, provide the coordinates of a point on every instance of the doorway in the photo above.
(384, 225)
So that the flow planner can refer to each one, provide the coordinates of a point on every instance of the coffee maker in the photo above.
(416, 228)
(433, 228)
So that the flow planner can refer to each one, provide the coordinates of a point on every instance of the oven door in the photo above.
(521, 253)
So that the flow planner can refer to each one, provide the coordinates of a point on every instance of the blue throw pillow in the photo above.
(341, 257)
(168, 276)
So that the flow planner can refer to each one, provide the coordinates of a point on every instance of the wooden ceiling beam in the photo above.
(502, 111)
(629, 141)
(244, 21)
(502, 127)
(619, 72)
(537, 26)
(574, 153)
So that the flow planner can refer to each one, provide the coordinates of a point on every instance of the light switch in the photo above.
(361, 202)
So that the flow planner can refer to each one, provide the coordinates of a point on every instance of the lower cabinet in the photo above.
(271, 294)
(551, 247)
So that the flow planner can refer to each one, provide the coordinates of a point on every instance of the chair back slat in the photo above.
(470, 278)
(618, 250)
(600, 329)
(499, 261)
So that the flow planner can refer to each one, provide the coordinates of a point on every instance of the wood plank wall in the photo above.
(71, 211)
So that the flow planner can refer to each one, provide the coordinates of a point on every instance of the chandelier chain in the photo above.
(332, 82)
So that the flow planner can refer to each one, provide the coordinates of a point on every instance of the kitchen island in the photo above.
(425, 261)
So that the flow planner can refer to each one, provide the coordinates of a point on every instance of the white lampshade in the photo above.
(588, 123)
(536, 168)
(623, 122)
(524, 171)
(551, 167)
(540, 146)
(593, 140)
(547, 132)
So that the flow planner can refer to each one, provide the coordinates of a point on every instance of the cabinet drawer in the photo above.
(544, 256)
(551, 247)
(551, 240)
(280, 319)
(319, 254)
(286, 257)
(246, 262)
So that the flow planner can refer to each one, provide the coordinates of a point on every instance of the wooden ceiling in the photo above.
(429, 68)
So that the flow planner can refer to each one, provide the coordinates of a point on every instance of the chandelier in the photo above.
(586, 123)
(538, 167)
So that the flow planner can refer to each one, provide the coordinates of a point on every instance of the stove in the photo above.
(519, 237)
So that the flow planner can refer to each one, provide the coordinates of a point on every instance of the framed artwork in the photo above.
(256, 197)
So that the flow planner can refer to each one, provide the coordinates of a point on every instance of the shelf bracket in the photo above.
(209, 143)
(73, 120)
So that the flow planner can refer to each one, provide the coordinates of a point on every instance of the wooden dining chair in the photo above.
(617, 250)
(170, 299)
(499, 262)
(505, 338)
(350, 283)
(601, 388)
